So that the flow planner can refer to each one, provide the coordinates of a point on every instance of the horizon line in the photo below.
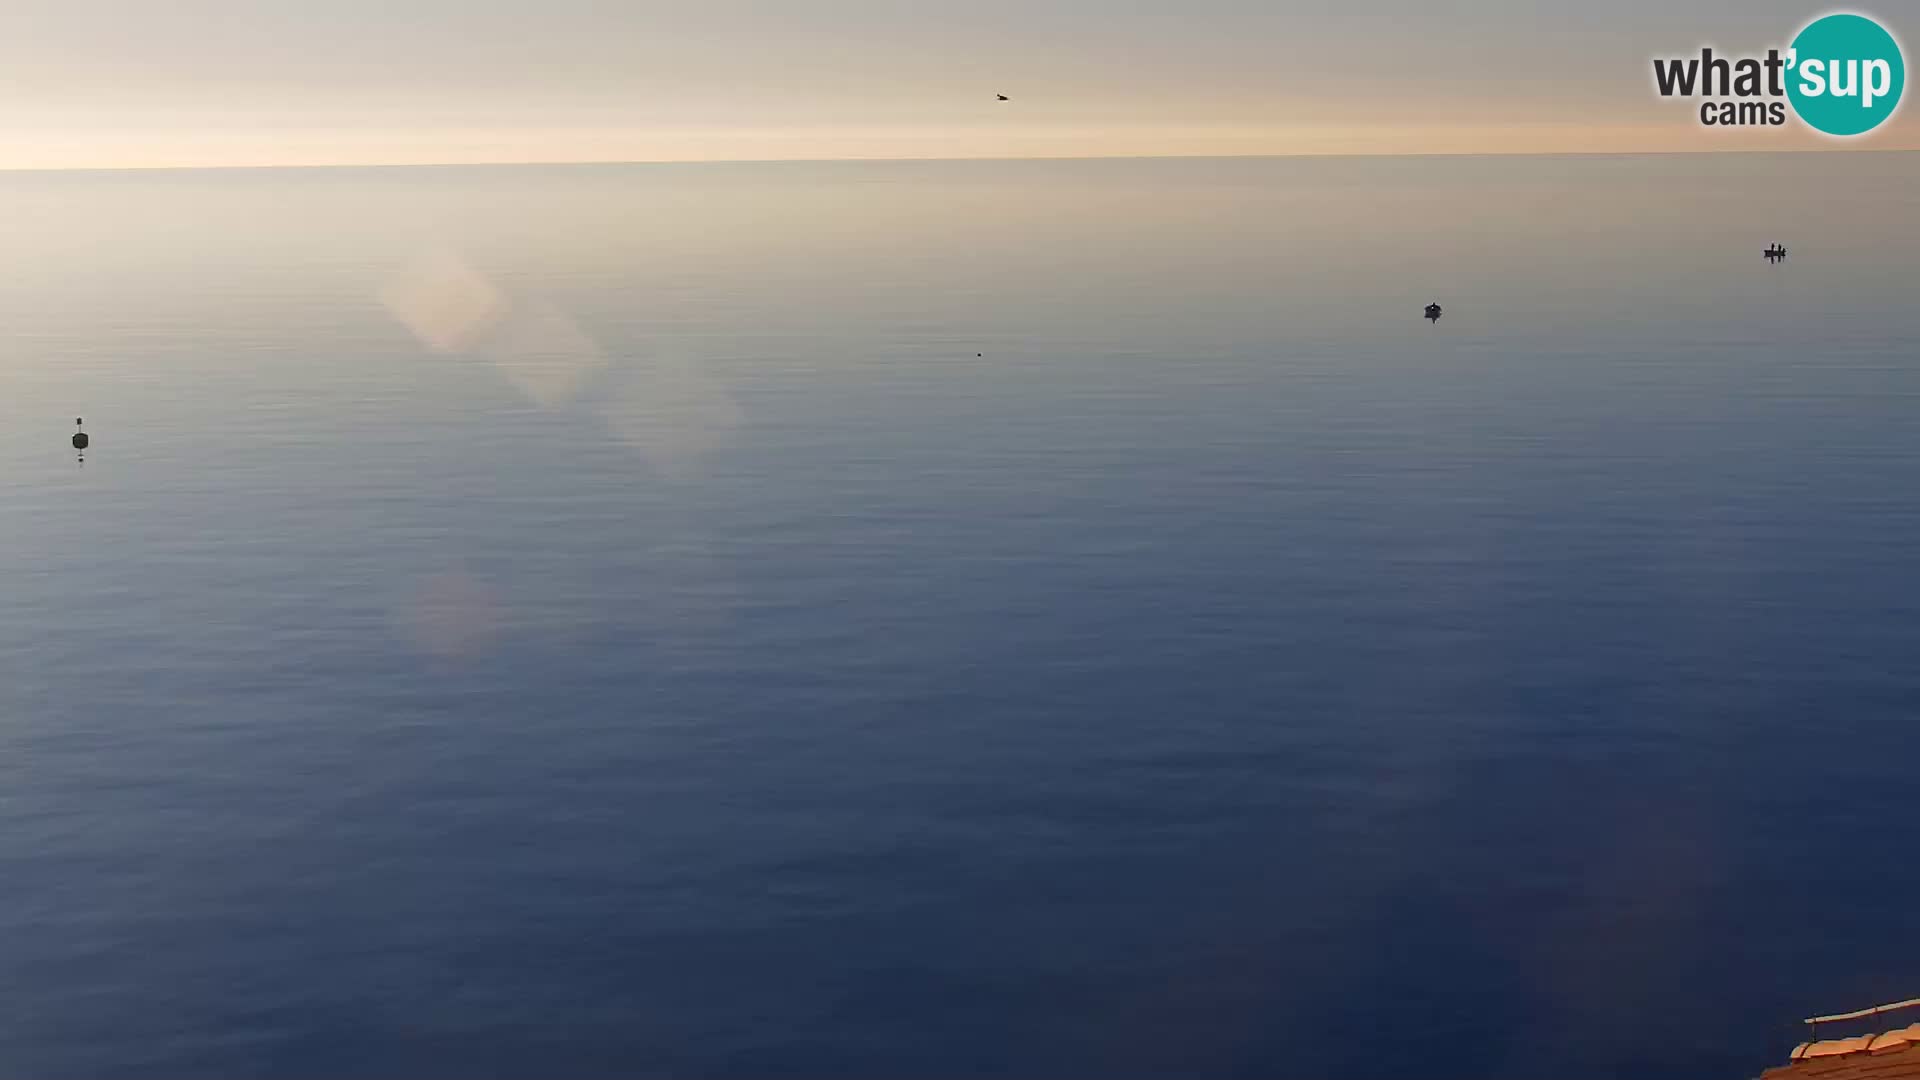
(984, 159)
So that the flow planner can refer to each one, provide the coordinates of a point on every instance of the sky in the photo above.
(146, 83)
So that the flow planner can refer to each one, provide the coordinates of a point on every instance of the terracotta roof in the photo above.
(1894, 1055)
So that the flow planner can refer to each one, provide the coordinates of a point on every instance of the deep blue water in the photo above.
(958, 619)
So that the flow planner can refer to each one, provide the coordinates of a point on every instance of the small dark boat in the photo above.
(1433, 312)
(79, 437)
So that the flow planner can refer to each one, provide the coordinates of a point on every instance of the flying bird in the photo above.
(1003, 97)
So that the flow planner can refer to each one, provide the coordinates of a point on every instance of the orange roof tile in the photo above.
(1836, 1047)
(1888, 1043)
(1892, 1056)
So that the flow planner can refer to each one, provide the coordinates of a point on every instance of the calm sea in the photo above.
(958, 619)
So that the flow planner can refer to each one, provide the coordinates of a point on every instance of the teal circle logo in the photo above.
(1846, 74)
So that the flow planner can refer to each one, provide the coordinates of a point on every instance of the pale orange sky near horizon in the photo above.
(130, 84)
